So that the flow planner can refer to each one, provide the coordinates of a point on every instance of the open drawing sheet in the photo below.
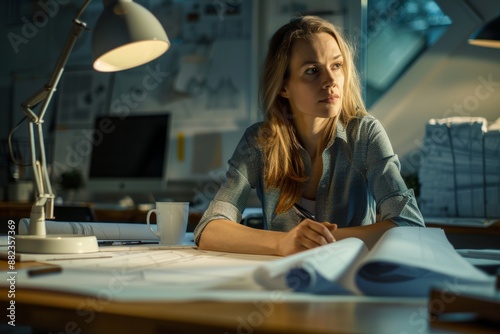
(331, 267)
(175, 275)
(104, 252)
(406, 261)
(102, 231)
(158, 274)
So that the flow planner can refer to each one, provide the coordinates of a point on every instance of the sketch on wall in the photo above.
(203, 81)
(210, 91)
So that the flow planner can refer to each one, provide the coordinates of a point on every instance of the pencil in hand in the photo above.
(301, 212)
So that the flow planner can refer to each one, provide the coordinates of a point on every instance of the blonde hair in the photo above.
(283, 167)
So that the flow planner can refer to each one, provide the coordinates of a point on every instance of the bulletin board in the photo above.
(203, 81)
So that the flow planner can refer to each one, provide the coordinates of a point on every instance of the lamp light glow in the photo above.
(138, 53)
(126, 35)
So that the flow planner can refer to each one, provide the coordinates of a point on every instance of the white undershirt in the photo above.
(309, 205)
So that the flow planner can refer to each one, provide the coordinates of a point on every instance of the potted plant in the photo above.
(70, 181)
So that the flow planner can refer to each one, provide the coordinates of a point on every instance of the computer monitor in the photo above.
(129, 154)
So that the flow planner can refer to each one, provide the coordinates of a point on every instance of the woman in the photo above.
(317, 147)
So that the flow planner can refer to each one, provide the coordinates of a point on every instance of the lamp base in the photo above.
(56, 244)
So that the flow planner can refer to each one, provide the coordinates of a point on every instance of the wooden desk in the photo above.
(471, 237)
(56, 312)
(67, 313)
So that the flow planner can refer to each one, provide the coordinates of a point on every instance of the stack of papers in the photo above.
(460, 172)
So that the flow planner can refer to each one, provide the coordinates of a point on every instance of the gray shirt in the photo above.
(361, 176)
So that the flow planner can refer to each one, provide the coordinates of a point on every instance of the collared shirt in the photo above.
(361, 176)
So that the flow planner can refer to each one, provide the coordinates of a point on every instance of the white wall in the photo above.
(451, 79)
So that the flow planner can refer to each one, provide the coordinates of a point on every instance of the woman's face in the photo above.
(316, 77)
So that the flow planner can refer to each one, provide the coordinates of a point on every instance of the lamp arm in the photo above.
(45, 94)
(44, 204)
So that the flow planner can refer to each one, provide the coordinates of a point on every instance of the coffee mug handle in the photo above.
(149, 225)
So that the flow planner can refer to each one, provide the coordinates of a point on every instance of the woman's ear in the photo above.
(283, 92)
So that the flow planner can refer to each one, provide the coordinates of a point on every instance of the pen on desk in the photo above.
(303, 212)
(124, 242)
(44, 271)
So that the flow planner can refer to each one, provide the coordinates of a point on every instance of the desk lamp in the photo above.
(488, 35)
(126, 35)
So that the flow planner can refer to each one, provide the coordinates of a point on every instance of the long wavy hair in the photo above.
(283, 167)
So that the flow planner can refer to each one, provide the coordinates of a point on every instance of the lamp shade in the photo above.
(126, 35)
(488, 35)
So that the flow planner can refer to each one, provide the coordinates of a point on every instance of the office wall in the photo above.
(452, 78)
(441, 81)
(194, 80)
(207, 80)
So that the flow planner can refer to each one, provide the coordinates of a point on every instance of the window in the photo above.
(398, 32)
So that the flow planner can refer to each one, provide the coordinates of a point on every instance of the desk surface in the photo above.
(63, 312)
(68, 313)
(58, 312)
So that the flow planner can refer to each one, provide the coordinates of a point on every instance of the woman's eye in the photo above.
(337, 65)
(312, 70)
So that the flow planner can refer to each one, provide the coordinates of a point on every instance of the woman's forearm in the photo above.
(370, 234)
(228, 236)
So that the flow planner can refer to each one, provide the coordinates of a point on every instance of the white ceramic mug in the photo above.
(171, 221)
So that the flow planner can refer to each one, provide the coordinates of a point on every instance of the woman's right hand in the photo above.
(308, 234)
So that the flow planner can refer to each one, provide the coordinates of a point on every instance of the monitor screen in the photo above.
(129, 153)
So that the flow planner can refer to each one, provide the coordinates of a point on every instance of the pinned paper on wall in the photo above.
(180, 146)
(207, 153)
(192, 73)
